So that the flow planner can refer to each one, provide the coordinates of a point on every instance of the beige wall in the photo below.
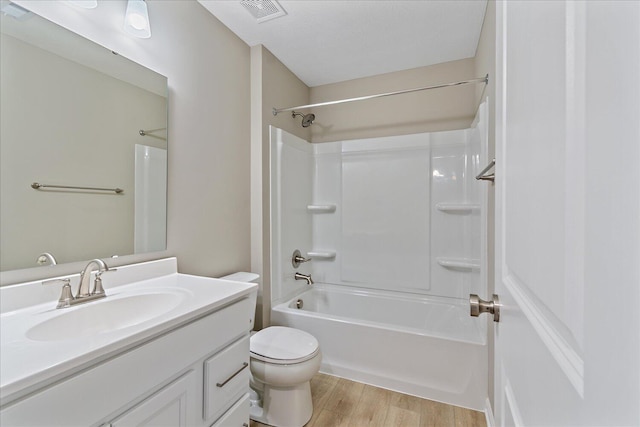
(49, 135)
(281, 88)
(272, 85)
(425, 111)
(485, 63)
(209, 134)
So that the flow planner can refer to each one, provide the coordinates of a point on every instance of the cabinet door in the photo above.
(167, 407)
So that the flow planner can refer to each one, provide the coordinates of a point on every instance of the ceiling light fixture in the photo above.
(136, 19)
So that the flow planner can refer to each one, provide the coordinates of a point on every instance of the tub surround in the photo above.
(41, 364)
(338, 204)
(432, 248)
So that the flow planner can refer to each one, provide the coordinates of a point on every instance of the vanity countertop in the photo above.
(37, 350)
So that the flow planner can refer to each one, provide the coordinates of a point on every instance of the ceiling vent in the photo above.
(263, 10)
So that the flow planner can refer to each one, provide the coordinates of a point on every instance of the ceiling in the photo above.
(328, 41)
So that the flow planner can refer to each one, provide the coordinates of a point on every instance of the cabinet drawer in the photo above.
(226, 378)
(237, 416)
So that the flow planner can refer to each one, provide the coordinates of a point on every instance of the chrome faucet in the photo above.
(307, 277)
(46, 257)
(85, 278)
(84, 295)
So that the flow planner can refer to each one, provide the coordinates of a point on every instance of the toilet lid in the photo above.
(283, 344)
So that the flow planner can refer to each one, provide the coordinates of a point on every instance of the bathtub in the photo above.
(422, 346)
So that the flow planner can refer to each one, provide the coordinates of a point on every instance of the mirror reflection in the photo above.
(74, 114)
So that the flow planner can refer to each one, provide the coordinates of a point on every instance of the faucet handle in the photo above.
(66, 296)
(297, 259)
(53, 281)
(97, 283)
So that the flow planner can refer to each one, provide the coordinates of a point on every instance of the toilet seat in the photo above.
(282, 345)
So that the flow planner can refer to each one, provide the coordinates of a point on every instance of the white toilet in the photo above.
(282, 361)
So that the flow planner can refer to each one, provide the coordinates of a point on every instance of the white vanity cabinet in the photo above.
(195, 374)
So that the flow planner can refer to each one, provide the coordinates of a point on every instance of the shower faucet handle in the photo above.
(297, 259)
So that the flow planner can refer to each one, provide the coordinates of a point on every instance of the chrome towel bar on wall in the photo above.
(487, 177)
(38, 186)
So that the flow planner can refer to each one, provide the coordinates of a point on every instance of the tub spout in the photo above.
(307, 277)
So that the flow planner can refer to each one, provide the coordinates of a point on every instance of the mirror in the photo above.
(71, 114)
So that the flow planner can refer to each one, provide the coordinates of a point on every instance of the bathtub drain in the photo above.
(299, 304)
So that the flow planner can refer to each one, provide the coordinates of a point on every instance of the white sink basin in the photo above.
(104, 315)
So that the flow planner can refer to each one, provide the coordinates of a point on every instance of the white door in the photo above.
(568, 213)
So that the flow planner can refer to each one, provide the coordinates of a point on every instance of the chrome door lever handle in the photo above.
(479, 306)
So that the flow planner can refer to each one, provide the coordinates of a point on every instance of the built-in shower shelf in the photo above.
(321, 208)
(328, 255)
(459, 263)
(457, 207)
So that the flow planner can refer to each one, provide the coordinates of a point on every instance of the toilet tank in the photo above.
(246, 277)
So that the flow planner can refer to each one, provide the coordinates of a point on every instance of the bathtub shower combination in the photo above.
(394, 228)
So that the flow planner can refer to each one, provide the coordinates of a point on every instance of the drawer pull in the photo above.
(222, 384)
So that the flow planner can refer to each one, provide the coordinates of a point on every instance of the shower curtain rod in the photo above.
(484, 80)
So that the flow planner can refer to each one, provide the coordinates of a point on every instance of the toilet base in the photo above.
(283, 406)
